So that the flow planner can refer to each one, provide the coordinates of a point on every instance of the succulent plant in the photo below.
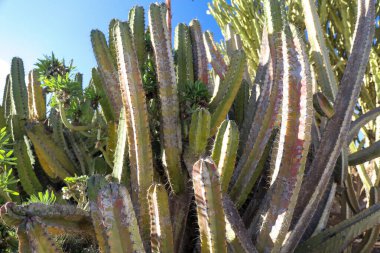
(147, 160)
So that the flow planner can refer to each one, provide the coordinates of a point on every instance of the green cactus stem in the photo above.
(210, 212)
(121, 151)
(170, 124)
(137, 25)
(107, 70)
(37, 109)
(199, 52)
(199, 131)
(18, 89)
(25, 170)
(225, 150)
(133, 97)
(119, 220)
(160, 222)
(233, 79)
(54, 160)
(183, 56)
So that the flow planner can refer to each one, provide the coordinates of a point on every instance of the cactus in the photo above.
(163, 169)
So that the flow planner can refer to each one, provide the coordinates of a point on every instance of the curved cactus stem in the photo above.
(214, 57)
(171, 127)
(263, 80)
(134, 99)
(361, 121)
(224, 155)
(18, 89)
(233, 79)
(107, 70)
(365, 155)
(183, 56)
(53, 160)
(210, 212)
(199, 52)
(247, 172)
(137, 25)
(199, 131)
(322, 105)
(37, 108)
(320, 54)
(160, 223)
(336, 130)
(338, 237)
(294, 140)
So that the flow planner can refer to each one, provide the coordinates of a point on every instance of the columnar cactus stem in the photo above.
(199, 131)
(25, 171)
(225, 150)
(171, 128)
(208, 197)
(18, 89)
(119, 171)
(37, 109)
(160, 222)
(119, 219)
(247, 169)
(214, 56)
(297, 114)
(233, 79)
(134, 100)
(183, 56)
(199, 52)
(104, 101)
(137, 25)
(107, 70)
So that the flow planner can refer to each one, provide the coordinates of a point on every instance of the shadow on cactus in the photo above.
(145, 159)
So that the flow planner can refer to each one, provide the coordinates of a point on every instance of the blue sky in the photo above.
(31, 29)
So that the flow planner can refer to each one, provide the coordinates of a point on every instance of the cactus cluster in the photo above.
(160, 153)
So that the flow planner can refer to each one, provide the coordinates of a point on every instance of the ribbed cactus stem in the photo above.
(233, 79)
(137, 25)
(119, 220)
(119, 171)
(18, 89)
(107, 70)
(294, 141)
(37, 109)
(53, 159)
(214, 57)
(170, 124)
(104, 101)
(133, 97)
(160, 222)
(183, 56)
(210, 212)
(199, 131)
(225, 150)
(39, 239)
(25, 170)
(199, 52)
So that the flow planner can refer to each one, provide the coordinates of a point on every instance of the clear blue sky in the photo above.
(31, 29)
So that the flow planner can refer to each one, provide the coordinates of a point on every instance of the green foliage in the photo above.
(7, 179)
(47, 198)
